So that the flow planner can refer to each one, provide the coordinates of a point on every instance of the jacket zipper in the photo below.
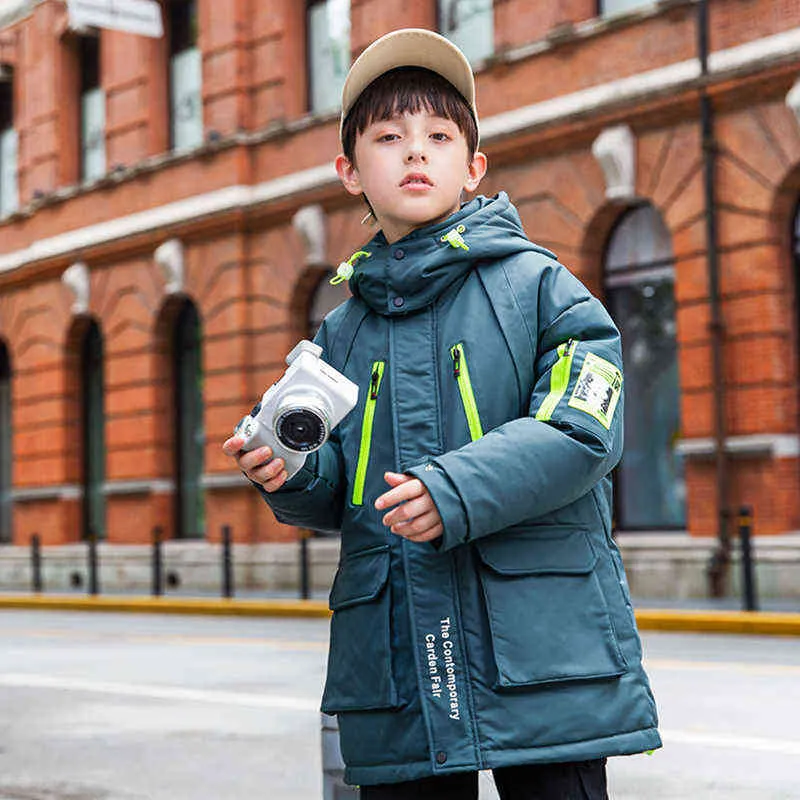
(559, 379)
(461, 374)
(366, 432)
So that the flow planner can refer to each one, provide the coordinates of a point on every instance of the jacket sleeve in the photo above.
(314, 497)
(571, 438)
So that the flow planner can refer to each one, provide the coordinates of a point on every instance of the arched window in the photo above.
(93, 432)
(5, 446)
(639, 289)
(189, 433)
(323, 300)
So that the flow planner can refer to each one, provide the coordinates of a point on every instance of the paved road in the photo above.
(117, 707)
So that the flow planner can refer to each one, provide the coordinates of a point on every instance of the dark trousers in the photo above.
(579, 780)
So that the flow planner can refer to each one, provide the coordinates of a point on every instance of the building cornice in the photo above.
(756, 56)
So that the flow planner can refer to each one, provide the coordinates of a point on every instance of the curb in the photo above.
(761, 623)
(171, 605)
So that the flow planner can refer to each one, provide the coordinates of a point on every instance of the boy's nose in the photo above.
(416, 154)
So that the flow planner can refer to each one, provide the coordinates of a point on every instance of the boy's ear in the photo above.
(348, 174)
(476, 169)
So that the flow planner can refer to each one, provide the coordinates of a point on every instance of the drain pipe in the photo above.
(720, 558)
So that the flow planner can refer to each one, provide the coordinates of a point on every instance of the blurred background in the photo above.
(170, 216)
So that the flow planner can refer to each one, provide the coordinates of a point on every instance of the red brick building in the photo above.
(169, 211)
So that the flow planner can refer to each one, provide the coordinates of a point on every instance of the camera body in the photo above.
(297, 413)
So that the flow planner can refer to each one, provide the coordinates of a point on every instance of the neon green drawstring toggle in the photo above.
(455, 239)
(346, 269)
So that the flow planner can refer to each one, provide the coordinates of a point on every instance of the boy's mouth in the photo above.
(416, 179)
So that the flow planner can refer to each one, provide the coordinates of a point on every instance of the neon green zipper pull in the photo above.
(346, 269)
(454, 238)
(461, 374)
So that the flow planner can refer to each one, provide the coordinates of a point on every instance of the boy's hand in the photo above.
(258, 465)
(414, 515)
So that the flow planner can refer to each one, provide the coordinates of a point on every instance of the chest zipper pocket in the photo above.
(461, 374)
(366, 432)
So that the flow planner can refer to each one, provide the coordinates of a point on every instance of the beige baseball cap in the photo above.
(409, 47)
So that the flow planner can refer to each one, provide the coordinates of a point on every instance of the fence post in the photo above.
(158, 582)
(227, 562)
(304, 566)
(94, 578)
(749, 602)
(36, 563)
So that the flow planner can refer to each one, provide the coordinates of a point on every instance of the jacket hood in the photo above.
(411, 273)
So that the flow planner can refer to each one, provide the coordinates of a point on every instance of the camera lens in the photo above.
(301, 430)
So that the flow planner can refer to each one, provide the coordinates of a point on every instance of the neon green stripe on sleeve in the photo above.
(559, 380)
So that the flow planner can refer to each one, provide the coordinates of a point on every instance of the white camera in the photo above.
(297, 413)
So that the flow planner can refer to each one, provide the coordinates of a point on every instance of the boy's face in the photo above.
(412, 168)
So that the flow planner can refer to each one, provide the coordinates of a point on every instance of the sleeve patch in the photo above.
(597, 389)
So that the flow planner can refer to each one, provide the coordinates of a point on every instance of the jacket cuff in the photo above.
(448, 503)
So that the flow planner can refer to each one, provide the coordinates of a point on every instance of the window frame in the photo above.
(440, 29)
(310, 109)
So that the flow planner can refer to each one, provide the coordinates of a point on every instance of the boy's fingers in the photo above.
(233, 445)
(405, 491)
(267, 472)
(426, 536)
(255, 458)
(418, 525)
(406, 511)
(396, 478)
(277, 482)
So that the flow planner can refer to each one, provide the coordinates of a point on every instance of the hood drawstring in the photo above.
(454, 238)
(346, 269)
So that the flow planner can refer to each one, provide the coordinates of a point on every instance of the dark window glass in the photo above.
(182, 25)
(89, 58)
(93, 418)
(5, 446)
(639, 287)
(189, 433)
(6, 102)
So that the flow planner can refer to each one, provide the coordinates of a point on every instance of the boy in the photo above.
(481, 615)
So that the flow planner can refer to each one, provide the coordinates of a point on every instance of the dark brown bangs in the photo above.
(408, 90)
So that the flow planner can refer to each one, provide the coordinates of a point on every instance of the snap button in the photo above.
(398, 302)
(399, 254)
(441, 757)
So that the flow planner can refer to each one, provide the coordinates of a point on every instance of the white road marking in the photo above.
(155, 692)
(710, 739)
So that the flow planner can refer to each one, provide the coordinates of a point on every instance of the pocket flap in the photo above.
(360, 577)
(531, 550)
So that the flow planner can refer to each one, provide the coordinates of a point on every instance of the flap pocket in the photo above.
(360, 669)
(360, 577)
(546, 610)
(531, 550)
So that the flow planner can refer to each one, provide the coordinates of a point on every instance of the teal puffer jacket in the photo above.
(511, 640)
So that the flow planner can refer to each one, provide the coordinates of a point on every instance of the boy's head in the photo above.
(409, 130)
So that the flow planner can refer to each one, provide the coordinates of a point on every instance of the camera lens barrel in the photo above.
(301, 429)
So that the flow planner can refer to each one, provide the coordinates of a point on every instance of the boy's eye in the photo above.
(440, 136)
(387, 137)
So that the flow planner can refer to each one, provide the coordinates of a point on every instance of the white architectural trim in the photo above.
(758, 54)
(615, 151)
(171, 258)
(793, 100)
(76, 279)
(769, 445)
(309, 222)
(65, 491)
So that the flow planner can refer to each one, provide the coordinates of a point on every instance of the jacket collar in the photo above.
(410, 274)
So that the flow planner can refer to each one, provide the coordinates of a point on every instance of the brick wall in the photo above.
(248, 272)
